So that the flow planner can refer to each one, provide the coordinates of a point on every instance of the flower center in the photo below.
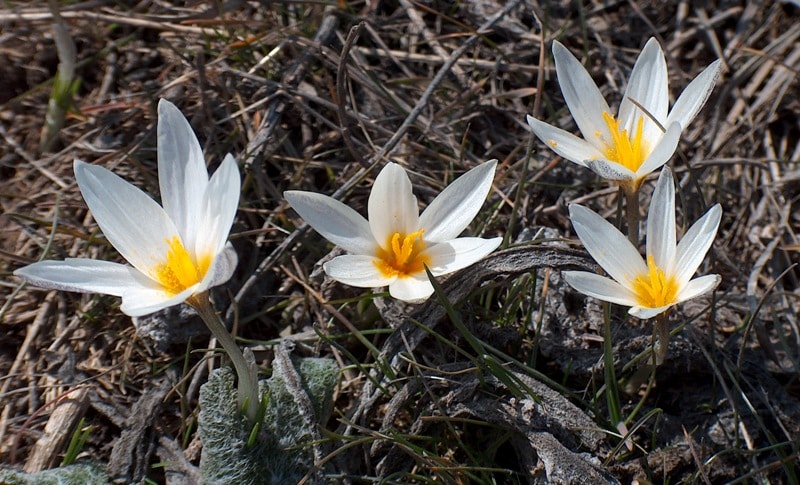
(655, 289)
(179, 272)
(626, 150)
(405, 256)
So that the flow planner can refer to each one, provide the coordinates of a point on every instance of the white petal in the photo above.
(662, 152)
(140, 295)
(357, 270)
(392, 206)
(182, 174)
(141, 301)
(645, 313)
(335, 221)
(454, 208)
(695, 95)
(220, 203)
(610, 170)
(415, 289)
(459, 253)
(647, 86)
(584, 100)
(698, 286)
(661, 238)
(695, 244)
(600, 287)
(84, 276)
(221, 270)
(609, 247)
(563, 142)
(133, 222)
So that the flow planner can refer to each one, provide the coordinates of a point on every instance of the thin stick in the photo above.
(341, 92)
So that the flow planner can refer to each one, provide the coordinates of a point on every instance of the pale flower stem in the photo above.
(246, 373)
(632, 211)
(661, 337)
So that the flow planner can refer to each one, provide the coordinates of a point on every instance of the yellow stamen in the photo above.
(179, 272)
(626, 151)
(655, 289)
(405, 256)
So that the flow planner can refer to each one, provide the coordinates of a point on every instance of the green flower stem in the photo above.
(632, 211)
(612, 386)
(661, 337)
(64, 83)
(246, 372)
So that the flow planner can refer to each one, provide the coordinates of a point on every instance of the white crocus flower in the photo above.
(177, 251)
(648, 287)
(397, 243)
(643, 136)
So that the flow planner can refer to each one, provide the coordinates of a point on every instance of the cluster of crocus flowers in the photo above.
(644, 134)
(397, 243)
(176, 252)
(179, 251)
(625, 148)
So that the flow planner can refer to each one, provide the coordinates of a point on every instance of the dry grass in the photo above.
(425, 85)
